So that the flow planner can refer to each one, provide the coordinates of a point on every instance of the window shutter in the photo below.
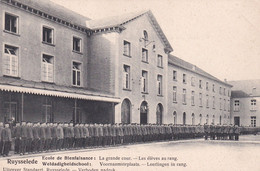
(50, 72)
(158, 87)
(44, 71)
(14, 65)
(124, 79)
(143, 84)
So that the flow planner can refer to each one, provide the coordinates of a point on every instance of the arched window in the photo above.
(159, 113)
(184, 118)
(126, 111)
(220, 120)
(174, 117)
(213, 120)
(192, 119)
(200, 119)
(207, 119)
(145, 35)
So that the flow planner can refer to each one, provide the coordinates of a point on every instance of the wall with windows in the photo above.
(196, 99)
(245, 111)
(121, 64)
(42, 51)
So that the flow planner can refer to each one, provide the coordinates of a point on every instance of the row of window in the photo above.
(193, 80)
(193, 121)
(144, 80)
(11, 66)
(127, 52)
(253, 106)
(11, 26)
(184, 99)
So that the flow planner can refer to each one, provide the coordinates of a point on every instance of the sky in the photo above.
(221, 37)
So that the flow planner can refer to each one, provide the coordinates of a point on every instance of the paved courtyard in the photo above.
(175, 155)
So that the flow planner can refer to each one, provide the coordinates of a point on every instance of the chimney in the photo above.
(225, 80)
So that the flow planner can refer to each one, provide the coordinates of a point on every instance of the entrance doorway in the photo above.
(125, 111)
(237, 120)
(143, 112)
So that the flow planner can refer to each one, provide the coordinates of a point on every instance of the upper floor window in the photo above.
(144, 81)
(200, 99)
(159, 61)
(77, 44)
(126, 77)
(174, 94)
(253, 104)
(184, 78)
(220, 90)
(224, 104)
(159, 84)
(144, 55)
(213, 87)
(220, 103)
(47, 35)
(47, 68)
(224, 91)
(184, 96)
(127, 48)
(207, 101)
(192, 81)
(228, 92)
(207, 86)
(200, 84)
(10, 61)
(174, 77)
(11, 23)
(213, 102)
(228, 104)
(193, 98)
(236, 105)
(76, 74)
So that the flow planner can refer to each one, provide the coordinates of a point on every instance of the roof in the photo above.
(119, 21)
(193, 68)
(56, 10)
(247, 86)
(41, 88)
(239, 93)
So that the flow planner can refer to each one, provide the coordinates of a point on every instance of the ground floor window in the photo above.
(253, 121)
(10, 112)
(47, 114)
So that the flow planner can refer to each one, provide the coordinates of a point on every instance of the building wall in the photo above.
(245, 113)
(106, 67)
(188, 108)
(31, 48)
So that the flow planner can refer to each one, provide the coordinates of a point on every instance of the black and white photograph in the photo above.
(123, 85)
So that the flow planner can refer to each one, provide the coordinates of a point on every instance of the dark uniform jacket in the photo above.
(24, 131)
(6, 135)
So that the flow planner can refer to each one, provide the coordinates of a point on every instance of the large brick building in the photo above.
(57, 65)
(196, 97)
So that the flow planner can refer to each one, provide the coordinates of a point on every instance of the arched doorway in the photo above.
(192, 119)
(207, 119)
(220, 120)
(126, 111)
(184, 118)
(143, 112)
(159, 113)
(175, 117)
